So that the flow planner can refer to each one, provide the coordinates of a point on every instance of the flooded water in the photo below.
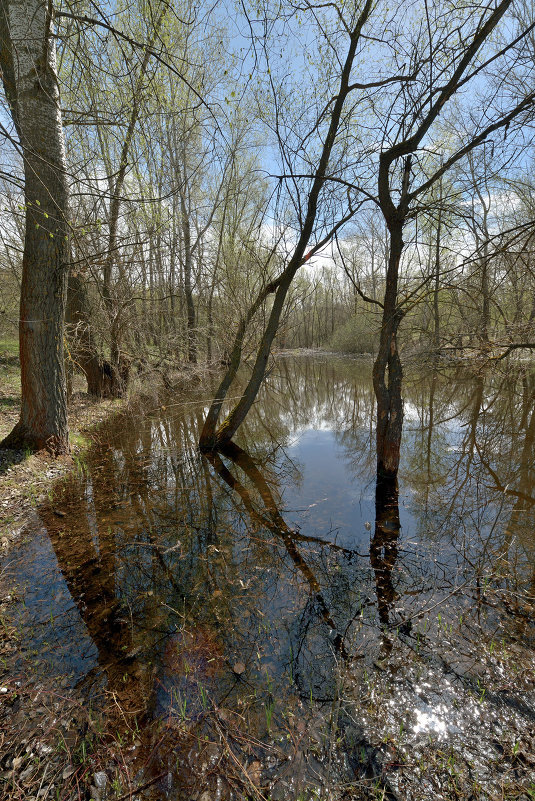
(276, 627)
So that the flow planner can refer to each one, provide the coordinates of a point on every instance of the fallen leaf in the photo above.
(254, 772)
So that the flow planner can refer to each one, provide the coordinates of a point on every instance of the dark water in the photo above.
(252, 604)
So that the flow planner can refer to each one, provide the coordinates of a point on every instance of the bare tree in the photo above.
(410, 129)
(332, 118)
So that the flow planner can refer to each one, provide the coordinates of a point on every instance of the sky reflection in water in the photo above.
(167, 570)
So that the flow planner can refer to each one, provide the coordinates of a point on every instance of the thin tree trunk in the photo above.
(436, 310)
(485, 296)
(209, 437)
(387, 370)
(210, 325)
(83, 349)
(483, 332)
(188, 288)
(120, 369)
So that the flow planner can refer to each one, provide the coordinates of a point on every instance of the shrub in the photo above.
(358, 334)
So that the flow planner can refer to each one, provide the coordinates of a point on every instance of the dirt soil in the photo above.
(25, 479)
(53, 745)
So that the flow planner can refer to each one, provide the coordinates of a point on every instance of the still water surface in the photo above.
(252, 598)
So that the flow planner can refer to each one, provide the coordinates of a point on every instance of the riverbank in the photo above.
(53, 743)
(26, 479)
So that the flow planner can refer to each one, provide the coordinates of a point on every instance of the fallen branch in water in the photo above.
(516, 346)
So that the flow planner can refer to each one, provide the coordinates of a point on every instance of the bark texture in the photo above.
(387, 369)
(28, 62)
(83, 350)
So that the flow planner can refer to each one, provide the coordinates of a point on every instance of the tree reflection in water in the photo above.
(384, 548)
(169, 570)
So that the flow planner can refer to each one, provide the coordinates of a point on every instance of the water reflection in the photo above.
(270, 519)
(384, 544)
(250, 595)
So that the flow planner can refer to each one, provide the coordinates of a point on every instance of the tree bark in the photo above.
(83, 348)
(387, 370)
(119, 364)
(210, 437)
(188, 269)
(28, 63)
(436, 288)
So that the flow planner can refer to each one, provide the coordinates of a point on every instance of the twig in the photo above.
(144, 786)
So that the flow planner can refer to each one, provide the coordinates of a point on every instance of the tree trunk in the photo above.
(387, 370)
(28, 63)
(234, 420)
(120, 367)
(210, 326)
(210, 437)
(436, 287)
(188, 270)
(83, 349)
(485, 298)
